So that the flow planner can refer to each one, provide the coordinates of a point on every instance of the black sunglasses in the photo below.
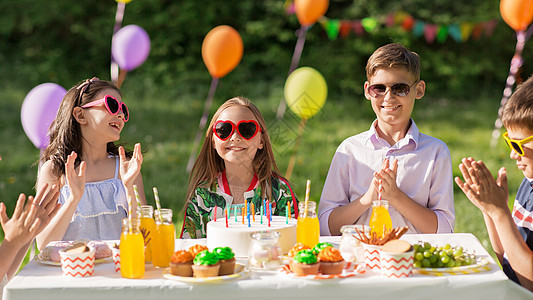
(398, 89)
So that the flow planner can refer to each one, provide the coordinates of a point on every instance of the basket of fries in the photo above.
(372, 244)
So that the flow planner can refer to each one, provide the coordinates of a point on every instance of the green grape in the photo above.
(433, 259)
(426, 263)
(419, 256)
(444, 259)
(435, 256)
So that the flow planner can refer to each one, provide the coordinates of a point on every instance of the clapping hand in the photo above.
(30, 217)
(387, 177)
(488, 194)
(75, 181)
(130, 169)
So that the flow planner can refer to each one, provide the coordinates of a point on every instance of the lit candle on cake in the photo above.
(215, 214)
(253, 212)
(235, 212)
(261, 213)
(226, 215)
(243, 213)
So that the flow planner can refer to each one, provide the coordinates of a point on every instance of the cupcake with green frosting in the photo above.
(226, 258)
(318, 247)
(305, 263)
(205, 264)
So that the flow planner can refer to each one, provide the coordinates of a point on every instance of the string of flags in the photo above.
(459, 32)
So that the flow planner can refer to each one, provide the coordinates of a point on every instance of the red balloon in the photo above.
(222, 50)
(309, 11)
(518, 14)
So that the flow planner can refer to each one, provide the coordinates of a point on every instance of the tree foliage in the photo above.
(64, 41)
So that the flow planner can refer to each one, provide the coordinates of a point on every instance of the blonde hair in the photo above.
(209, 164)
(393, 56)
(518, 112)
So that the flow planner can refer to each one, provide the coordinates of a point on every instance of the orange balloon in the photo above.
(222, 50)
(309, 11)
(517, 13)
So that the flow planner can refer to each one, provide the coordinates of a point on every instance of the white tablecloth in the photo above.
(37, 281)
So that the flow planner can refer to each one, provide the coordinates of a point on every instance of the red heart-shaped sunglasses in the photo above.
(247, 129)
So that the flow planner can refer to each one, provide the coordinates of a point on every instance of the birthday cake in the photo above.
(237, 235)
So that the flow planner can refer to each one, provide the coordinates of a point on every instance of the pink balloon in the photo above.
(130, 47)
(39, 110)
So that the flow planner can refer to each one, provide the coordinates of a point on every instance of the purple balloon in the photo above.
(130, 47)
(39, 110)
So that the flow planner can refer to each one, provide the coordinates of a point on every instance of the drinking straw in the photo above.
(158, 204)
(380, 189)
(307, 190)
(129, 214)
(137, 196)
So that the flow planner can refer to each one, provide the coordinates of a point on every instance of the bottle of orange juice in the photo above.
(148, 224)
(163, 239)
(131, 249)
(307, 227)
(380, 219)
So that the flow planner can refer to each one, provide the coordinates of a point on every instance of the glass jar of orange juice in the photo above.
(380, 220)
(163, 239)
(148, 225)
(131, 249)
(307, 227)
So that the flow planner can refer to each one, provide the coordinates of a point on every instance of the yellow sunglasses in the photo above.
(517, 145)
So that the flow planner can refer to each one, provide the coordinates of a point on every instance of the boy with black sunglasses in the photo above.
(511, 233)
(411, 170)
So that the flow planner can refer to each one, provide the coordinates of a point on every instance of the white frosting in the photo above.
(237, 235)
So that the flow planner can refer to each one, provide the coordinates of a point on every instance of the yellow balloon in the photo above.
(305, 92)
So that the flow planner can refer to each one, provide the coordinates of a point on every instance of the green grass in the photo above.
(165, 120)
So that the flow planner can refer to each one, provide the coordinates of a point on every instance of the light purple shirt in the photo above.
(424, 174)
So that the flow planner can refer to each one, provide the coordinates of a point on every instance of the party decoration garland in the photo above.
(459, 32)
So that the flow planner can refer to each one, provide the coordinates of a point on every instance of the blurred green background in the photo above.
(63, 41)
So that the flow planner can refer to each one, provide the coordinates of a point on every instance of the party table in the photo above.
(39, 281)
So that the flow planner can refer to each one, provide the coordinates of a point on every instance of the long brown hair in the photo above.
(65, 132)
(209, 164)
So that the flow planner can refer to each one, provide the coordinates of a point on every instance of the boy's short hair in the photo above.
(393, 56)
(518, 112)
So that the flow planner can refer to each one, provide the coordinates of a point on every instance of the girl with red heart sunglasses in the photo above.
(236, 165)
(95, 176)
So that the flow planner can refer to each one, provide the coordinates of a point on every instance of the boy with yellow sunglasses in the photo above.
(511, 233)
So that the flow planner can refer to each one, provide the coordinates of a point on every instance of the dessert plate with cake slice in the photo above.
(240, 272)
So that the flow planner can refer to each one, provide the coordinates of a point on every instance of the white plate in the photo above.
(57, 263)
(240, 271)
(481, 265)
